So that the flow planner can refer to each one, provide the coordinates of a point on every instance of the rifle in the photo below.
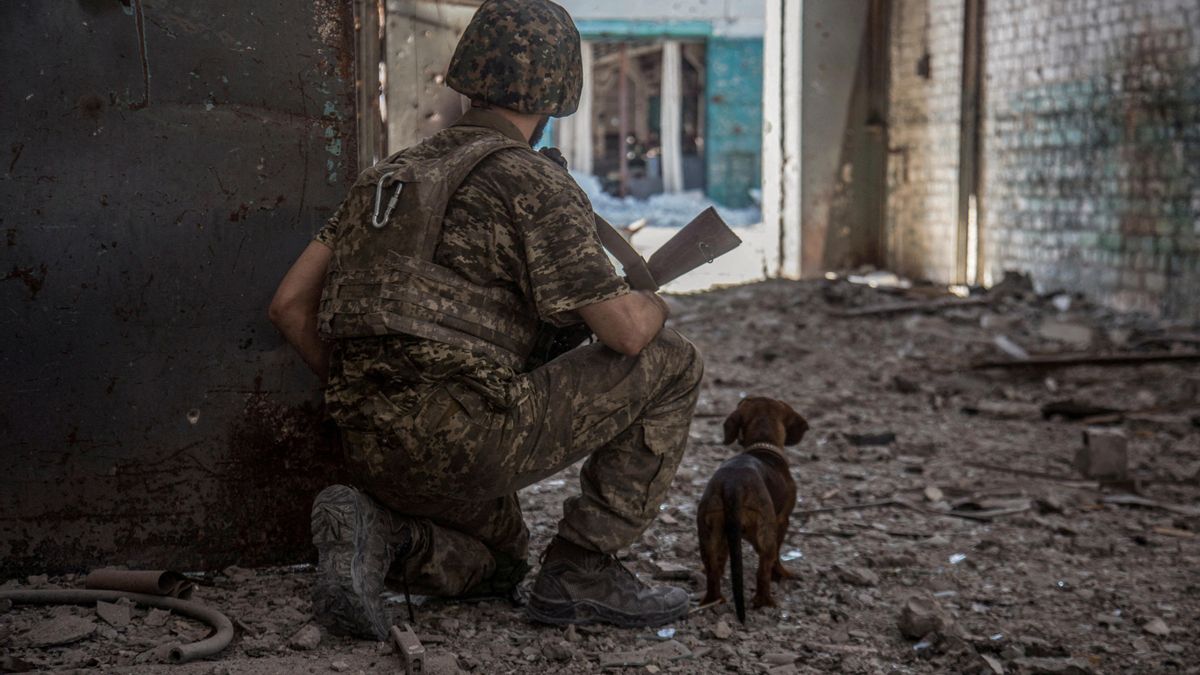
(701, 241)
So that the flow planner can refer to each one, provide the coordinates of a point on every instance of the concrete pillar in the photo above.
(671, 117)
(781, 133)
(793, 19)
(772, 131)
(573, 134)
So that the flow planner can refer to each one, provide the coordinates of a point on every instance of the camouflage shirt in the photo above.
(518, 221)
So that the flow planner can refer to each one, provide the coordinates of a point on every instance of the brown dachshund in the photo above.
(751, 497)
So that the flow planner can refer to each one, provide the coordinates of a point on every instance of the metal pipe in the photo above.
(213, 644)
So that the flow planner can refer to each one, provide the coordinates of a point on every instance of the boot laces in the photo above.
(611, 560)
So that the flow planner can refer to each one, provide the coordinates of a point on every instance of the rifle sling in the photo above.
(636, 271)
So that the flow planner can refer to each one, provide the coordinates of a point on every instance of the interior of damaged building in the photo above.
(958, 241)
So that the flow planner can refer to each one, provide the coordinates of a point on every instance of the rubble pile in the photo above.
(952, 518)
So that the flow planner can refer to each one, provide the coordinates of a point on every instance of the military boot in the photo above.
(357, 541)
(576, 585)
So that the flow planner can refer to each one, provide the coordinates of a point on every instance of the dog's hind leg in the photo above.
(780, 572)
(766, 544)
(714, 551)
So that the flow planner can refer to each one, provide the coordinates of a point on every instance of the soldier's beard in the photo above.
(536, 136)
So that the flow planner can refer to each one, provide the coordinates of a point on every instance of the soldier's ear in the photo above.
(733, 425)
(796, 427)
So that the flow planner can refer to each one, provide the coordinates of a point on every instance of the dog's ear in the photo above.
(733, 424)
(796, 427)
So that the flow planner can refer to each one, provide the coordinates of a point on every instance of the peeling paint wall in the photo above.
(733, 133)
(166, 163)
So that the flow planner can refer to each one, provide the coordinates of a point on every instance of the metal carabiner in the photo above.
(375, 220)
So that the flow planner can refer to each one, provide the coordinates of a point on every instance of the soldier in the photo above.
(427, 301)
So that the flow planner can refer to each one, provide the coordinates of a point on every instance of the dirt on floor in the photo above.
(946, 524)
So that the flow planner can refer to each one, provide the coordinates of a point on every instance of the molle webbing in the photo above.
(384, 281)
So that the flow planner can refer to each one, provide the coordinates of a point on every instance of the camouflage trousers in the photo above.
(454, 466)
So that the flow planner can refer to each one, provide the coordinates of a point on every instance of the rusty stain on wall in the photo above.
(150, 414)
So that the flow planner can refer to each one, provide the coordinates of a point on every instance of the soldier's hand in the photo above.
(662, 304)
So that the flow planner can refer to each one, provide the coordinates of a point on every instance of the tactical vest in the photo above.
(382, 279)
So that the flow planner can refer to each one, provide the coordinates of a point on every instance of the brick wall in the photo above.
(1090, 142)
(923, 121)
(1092, 148)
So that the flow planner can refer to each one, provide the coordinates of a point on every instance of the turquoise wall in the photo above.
(733, 137)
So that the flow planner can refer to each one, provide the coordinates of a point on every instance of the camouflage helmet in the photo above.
(522, 55)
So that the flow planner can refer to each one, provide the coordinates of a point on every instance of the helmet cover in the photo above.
(522, 55)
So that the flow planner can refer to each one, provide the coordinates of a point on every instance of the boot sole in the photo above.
(342, 534)
(585, 612)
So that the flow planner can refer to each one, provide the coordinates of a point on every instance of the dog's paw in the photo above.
(780, 573)
(761, 601)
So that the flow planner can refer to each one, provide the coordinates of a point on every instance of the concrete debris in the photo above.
(440, 664)
(558, 651)
(116, 615)
(1052, 666)
(1077, 336)
(1104, 455)
(1156, 626)
(1061, 302)
(1006, 345)
(670, 650)
(722, 630)
(13, 664)
(780, 658)
(60, 630)
(920, 616)
(856, 576)
(157, 617)
(992, 664)
(339, 666)
(307, 638)
(669, 571)
(1005, 410)
(237, 574)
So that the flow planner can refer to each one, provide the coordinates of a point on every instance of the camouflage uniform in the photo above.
(448, 436)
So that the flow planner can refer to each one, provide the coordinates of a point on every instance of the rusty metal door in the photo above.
(166, 162)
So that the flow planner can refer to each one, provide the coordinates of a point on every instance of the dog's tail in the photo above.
(733, 538)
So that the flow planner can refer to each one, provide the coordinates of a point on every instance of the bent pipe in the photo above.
(179, 654)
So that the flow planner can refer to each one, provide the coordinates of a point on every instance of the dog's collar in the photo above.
(769, 448)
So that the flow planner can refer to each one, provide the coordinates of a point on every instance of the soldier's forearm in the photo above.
(627, 323)
(299, 329)
(293, 310)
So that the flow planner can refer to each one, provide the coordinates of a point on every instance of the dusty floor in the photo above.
(1041, 576)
